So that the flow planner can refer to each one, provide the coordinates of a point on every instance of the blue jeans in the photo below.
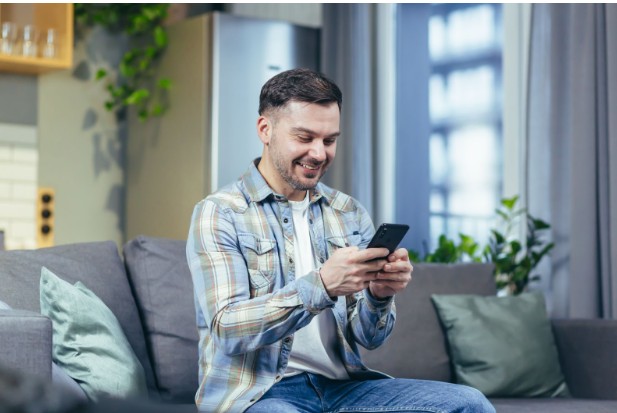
(309, 393)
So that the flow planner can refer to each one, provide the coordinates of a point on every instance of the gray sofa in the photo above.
(149, 290)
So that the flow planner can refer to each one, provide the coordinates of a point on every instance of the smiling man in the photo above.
(285, 289)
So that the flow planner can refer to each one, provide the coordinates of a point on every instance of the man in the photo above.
(284, 289)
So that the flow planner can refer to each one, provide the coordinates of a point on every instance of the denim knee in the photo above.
(476, 402)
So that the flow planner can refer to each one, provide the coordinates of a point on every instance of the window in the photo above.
(465, 107)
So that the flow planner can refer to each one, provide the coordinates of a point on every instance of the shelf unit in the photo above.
(58, 16)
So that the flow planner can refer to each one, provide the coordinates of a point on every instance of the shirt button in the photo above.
(321, 260)
(287, 340)
(285, 220)
(311, 221)
(291, 260)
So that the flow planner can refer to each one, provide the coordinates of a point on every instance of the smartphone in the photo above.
(388, 236)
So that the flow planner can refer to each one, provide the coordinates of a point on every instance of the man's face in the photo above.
(301, 146)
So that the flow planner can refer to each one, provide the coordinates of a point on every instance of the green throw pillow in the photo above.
(88, 342)
(502, 346)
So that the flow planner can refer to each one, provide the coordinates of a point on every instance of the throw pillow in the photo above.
(89, 343)
(502, 346)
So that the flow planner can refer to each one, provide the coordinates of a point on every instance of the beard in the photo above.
(285, 169)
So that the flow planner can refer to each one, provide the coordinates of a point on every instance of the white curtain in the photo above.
(358, 54)
(571, 153)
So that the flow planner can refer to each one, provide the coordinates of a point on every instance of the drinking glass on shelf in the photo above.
(9, 36)
(28, 45)
(50, 48)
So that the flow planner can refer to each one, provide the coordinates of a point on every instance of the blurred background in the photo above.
(448, 109)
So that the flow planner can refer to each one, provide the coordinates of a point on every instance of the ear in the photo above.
(264, 129)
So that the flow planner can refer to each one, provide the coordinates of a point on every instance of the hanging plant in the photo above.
(137, 85)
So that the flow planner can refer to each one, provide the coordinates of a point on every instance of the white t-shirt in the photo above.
(315, 346)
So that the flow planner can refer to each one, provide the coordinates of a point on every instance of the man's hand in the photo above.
(394, 276)
(350, 270)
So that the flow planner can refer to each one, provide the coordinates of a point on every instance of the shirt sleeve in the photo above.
(371, 320)
(236, 321)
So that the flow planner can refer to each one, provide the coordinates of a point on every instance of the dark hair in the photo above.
(303, 85)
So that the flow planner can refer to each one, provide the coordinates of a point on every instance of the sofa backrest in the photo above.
(163, 289)
(97, 265)
(417, 347)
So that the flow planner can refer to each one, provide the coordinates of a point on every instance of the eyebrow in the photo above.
(313, 133)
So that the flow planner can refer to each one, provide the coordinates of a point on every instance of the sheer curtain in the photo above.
(358, 54)
(571, 153)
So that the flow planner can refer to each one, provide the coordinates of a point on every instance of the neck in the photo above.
(278, 184)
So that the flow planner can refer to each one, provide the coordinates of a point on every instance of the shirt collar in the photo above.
(257, 189)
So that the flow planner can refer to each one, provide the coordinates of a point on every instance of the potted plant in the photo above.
(514, 260)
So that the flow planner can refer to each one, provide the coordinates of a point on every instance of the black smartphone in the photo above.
(388, 236)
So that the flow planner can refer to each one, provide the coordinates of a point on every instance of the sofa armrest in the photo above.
(26, 340)
(587, 356)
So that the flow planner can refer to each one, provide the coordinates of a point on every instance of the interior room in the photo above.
(489, 129)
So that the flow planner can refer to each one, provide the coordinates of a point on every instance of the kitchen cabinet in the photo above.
(56, 16)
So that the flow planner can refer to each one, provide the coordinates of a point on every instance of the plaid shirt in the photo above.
(249, 302)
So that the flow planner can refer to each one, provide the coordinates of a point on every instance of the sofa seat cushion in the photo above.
(547, 405)
(163, 288)
(96, 264)
(417, 346)
(88, 341)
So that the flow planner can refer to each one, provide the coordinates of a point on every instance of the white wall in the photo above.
(18, 183)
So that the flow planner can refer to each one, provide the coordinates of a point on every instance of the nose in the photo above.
(318, 151)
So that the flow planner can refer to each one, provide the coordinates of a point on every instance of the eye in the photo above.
(304, 139)
(329, 142)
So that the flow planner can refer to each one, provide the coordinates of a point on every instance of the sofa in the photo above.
(147, 286)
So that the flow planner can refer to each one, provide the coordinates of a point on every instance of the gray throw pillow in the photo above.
(502, 346)
(89, 344)
(163, 288)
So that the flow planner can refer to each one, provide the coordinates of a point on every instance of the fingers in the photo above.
(399, 254)
(371, 254)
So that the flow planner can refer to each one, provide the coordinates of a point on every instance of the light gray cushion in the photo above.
(502, 346)
(62, 381)
(161, 279)
(98, 265)
(88, 341)
(417, 347)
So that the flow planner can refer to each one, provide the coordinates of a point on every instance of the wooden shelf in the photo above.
(58, 16)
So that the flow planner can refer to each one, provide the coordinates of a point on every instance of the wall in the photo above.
(82, 145)
(18, 160)
(18, 181)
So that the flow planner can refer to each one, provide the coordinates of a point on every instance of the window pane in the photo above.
(465, 112)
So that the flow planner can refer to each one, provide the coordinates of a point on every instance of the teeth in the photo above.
(308, 166)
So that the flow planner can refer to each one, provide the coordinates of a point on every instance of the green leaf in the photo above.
(109, 105)
(160, 36)
(509, 203)
(100, 74)
(165, 83)
(137, 97)
(127, 70)
(157, 110)
(143, 115)
(539, 224)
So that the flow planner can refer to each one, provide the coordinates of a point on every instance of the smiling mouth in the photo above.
(310, 167)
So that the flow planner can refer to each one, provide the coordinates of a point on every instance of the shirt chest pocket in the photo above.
(261, 259)
(351, 240)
